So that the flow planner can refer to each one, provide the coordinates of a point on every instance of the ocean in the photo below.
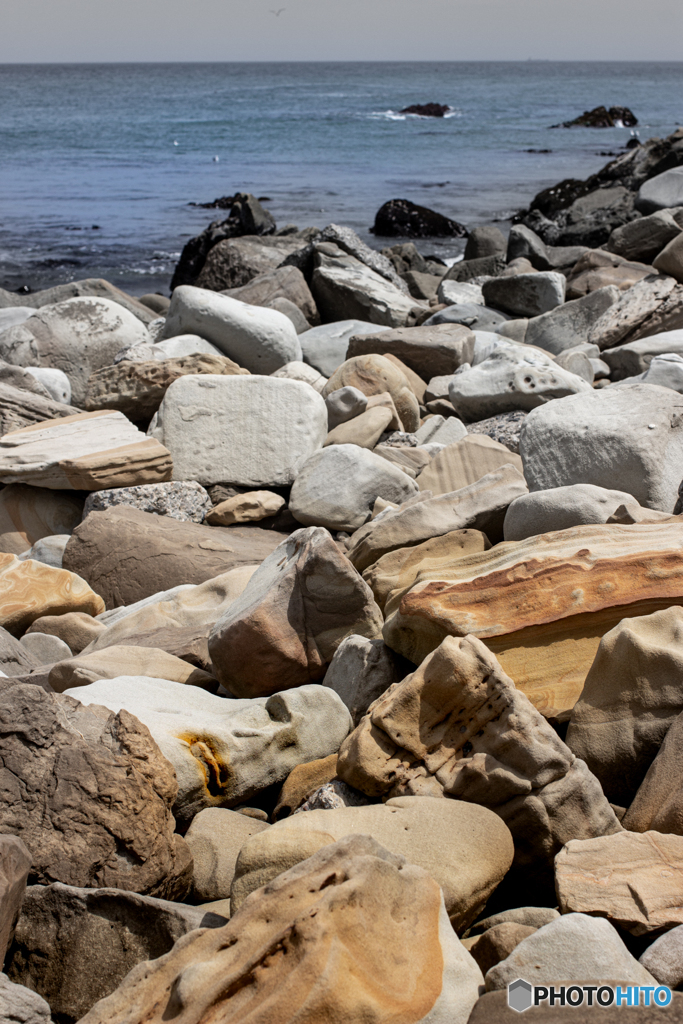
(100, 162)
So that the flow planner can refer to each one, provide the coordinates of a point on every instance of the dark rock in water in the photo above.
(247, 217)
(401, 218)
(426, 109)
(601, 117)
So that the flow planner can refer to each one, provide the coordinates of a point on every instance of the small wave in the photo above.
(396, 115)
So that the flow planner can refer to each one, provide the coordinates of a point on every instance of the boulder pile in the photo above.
(341, 624)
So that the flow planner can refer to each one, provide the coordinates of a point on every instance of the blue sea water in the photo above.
(127, 147)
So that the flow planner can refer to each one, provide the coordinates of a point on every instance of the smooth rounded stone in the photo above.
(185, 500)
(325, 347)
(498, 942)
(398, 570)
(20, 1005)
(464, 462)
(658, 804)
(651, 306)
(77, 336)
(183, 345)
(60, 925)
(302, 371)
(45, 649)
(635, 357)
(15, 864)
(644, 238)
(464, 847)
(534, 917)
(32, 589)
(670, 259)
(251, 507)
(633, 879)
(89, 451)
(452, 293)
(123, 660)
(225, 751)
(49, 550)
(338, 486)
(284, 628)
(486, 743)
(661, 192)
(363, 431)
(664, 958)
(468, 315)
(427, 351)
(251, 431)
(343, 404)
(259, 339)
(128, 555)
(361, 670)
(55, 382)
(215, 838)
(336, 970)
(15, 659)
(561, 508)
(578, 363)
(525, 294)
(15, 315)
(116, 828)
(75, 629)
(480, 506)
(574, 948)
(569, 324)
(630, 699)
(628, 438)
(91, 286)
(512, 377)
(374, 375)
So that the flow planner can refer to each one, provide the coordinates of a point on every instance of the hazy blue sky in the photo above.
(122, 30)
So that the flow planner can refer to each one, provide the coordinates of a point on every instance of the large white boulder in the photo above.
(259, 339)
(627, 438)
(225, 751)
(253, 431)
(77, 336)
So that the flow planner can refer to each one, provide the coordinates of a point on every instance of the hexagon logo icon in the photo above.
(519, 995)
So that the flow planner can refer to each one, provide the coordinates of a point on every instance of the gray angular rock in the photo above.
(361, 671)
(526, 294)
(658, 803)
(575, 361)
(15, 660)
(670, 259)
(251, 431)
(344, 404)
(470, 315)
(185, 500)
(451, 293)
(562, 507)
(427, 351)
(286, 283)
(325, 347)
(626, 438)
(223, 751)
(664, 958)
(505, 428)
(62, 928)
(49, 550)
(20, 408)
(349, 241)
(570, 324)
(665, 371)
(634, 358)
(91, 287)
(644, 238)
(662, 191)
(651, 306)
(345, 288)
(234, 262)
(19, 1005)
(259, 339)
(485, 240)
(337, 487)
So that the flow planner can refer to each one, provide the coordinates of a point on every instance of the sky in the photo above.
(249, 30)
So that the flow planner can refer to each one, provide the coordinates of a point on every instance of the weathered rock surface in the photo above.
(29, 513)
(428, 351)
(325, 347)
(124, 660)
(630, 699)
(571, 323)
(465, 848)
(634, 880)
(282, 283)
(258, 339)
(664, 958)
(335, 973)
(95, 287)
(463, 463)
(636, 356)
(45, 649)
(136, 389)
(457, 727)
(77, 336)
(561, 508)
(302, 371)
(252, 431)
(251, 507)
(127, 555)
(670, 259)
(661, 191)
(15, 864)
(658, 804)
(215, 838)
(375, 375)
(63, 927)
(20, 408)
(360, 672)
(498, 942)
(651, 306)
(364, 431)
(225, 751)
(628, 438)
(481, 506)
(234, 262)
(346, 289)
(285, 627)
(644, 238)
(599, 269)
(596, 575)
(184, 500)
(29, 590)
(90, 795)
(19, 1005)
(576, 948)
(338, 486)
(15, 659)
(89, 451)
(75, 629)
(525, 294)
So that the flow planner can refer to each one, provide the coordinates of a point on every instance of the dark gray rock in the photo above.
(184, 500)
(504, 428)
(15, 863)
(402, 218)
(468, 270)
(569, 325)
(486, 240)
(15, 660)
(469, 314)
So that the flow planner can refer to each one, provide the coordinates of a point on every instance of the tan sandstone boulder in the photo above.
(433, 351)
(658, 804)
(374, 375)
(76, 629)
(299, 605)
(633, 879)
(27, 514)
(30, 589)
(331, 920)
(126, 661)
(465, 462)
(457, 727)
(245, 508)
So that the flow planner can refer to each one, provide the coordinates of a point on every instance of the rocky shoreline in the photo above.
(341, 621)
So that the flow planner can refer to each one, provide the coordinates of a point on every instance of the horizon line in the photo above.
(379, 60)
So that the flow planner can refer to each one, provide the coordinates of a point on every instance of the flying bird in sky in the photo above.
(279, 12)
